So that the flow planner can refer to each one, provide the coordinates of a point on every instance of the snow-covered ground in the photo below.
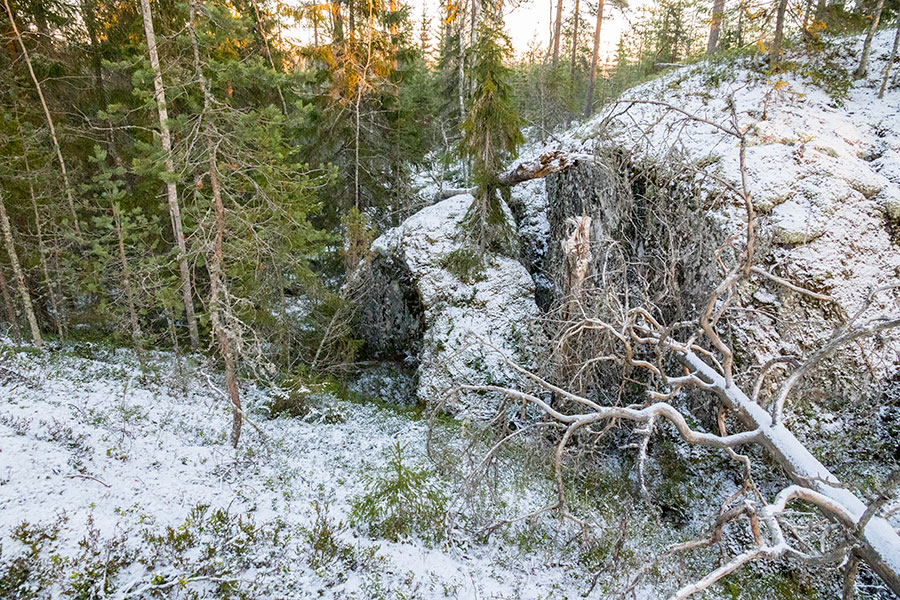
(118, 487)
(129, 488)
(822, 163)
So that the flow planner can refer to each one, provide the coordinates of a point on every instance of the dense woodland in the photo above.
(185, 176)
(175, 174)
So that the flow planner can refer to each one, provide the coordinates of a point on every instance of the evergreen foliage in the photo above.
(491, 132)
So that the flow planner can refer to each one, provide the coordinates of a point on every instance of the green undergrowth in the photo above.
(402, 500)
(207, 555)
(466, 264)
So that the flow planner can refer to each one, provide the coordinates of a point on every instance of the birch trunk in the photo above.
(70, 196)
(880, 544)
(19, 275)
(867, 45)
(887, 67)
(165, 137)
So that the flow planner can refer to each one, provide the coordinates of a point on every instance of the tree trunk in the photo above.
(42, 247)
(775, 53)
(557, 30)
(10, 309)
(715, 26)
(867, 45)
(217, 271)
(574, 46)
(70, 196)
(19, 275)
(589, 104)
(887, 67)
(171, 189)
(880, 544)
(136, 335)
(351, 13)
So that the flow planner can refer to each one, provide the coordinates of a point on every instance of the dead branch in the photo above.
(547, 164)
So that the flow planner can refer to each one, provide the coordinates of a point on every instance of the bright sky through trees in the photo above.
(528, 23)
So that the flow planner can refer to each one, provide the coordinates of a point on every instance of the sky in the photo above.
(529, 21)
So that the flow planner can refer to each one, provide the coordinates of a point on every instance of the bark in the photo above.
(589, 104)
(887, 67)
(352, 16)
(867, 45)
(136, 335)
(879, 543)
(546, 164)
(10, 309)
(715, 26)
(70, 196)
(557, 30)
(574, 45)
(165, 137)
(775, 53)
(42, 250)
(43, 253)
(217, 270)
(19, 275)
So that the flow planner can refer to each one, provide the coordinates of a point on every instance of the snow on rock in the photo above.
(468, 326)
(823, 171)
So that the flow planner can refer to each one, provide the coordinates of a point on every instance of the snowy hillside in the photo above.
(822, 166)
(823, 160)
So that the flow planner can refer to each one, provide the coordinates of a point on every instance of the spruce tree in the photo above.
(491, 132)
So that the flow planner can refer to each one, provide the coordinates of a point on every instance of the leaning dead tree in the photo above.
(546, 164)
(691, 354)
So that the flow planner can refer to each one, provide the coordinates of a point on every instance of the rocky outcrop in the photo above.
(457, 327)
(392, 317)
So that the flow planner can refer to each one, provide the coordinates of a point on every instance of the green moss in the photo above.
(465, 263)
(748, 584)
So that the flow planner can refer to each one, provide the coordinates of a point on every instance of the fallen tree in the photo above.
(546, 164)
(638, 339)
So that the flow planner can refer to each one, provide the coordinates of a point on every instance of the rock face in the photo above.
(392, 320)
(824, 177)
(457, 331)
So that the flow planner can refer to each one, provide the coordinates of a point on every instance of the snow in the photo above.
(823, 171)
(470, 327)
(85, 440)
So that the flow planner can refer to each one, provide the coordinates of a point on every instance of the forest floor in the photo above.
(116, 486)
